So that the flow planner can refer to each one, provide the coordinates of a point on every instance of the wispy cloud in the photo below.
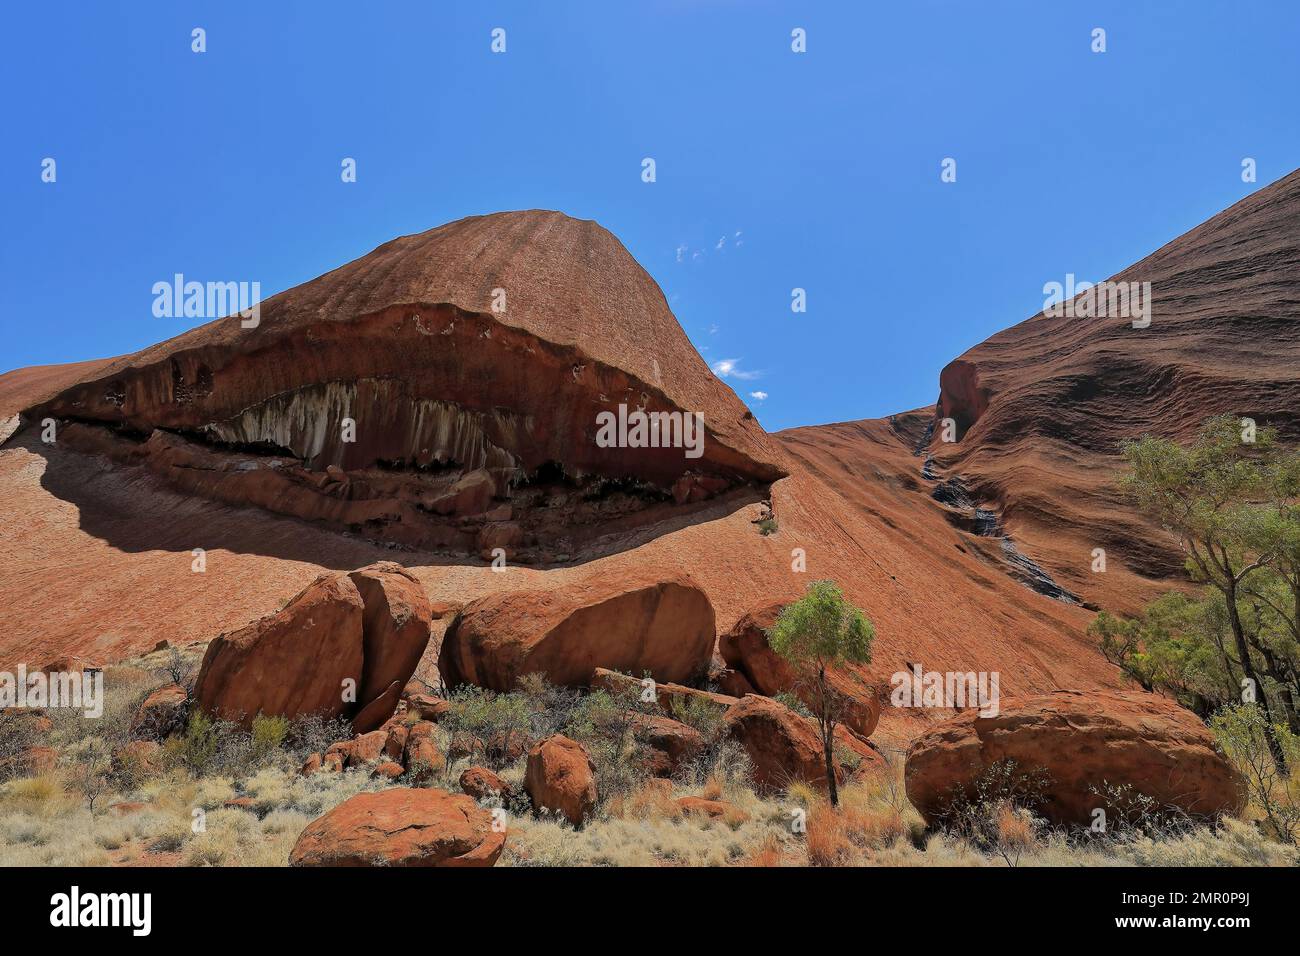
(758, 396)
(684, 253)
(730, 368)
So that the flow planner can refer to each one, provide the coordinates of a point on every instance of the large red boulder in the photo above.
(745, 648)
(401, 827)
(560, 778)
(289, 663)
(421, 756)
(1082, 741)
(363, 631)
(380, 709)
(663, 626)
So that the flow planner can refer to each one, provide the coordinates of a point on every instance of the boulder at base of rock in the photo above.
(560, 778)
(376, 713)
(785, 747)
(665, 627)
(401, 827)
(1082, 741)
(289, 663)
(745, 648)
(422, 758)
(396, 625)
(733, 683)
(428, 707)
(368, 629)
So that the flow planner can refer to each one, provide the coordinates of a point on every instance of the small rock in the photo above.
(560, 777)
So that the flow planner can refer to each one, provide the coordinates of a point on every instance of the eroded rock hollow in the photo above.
(444, 391)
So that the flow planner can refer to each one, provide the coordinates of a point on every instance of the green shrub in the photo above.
(484, 724)
(220, 747)
(698, 713)
(269, 733)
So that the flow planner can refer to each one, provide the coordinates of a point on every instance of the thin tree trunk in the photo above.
(828, 735)
(1248, 668)
(828, 738)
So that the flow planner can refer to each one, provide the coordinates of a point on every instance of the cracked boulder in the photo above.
(663, 626)
(362, 632)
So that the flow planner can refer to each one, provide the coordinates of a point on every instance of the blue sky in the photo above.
(818, 170)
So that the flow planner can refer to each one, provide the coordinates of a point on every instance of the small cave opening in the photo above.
(261, 448)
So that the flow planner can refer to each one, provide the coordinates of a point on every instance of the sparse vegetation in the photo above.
(98, 807)
(1231, 498)
(820, 631)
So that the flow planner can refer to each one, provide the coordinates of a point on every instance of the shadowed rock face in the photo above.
(483, 350)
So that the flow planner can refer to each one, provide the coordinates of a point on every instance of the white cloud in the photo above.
(681, 252)
(730, 368)
(759, 396)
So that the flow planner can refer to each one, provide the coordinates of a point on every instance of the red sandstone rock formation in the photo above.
(1043, 406)
(1083, 742)
(401, 827)
(289, 663)
(671, 743)
(97, 552)
(663, 626)
(482, 784)
(414, 388)
(785, 747)
(160, 713)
